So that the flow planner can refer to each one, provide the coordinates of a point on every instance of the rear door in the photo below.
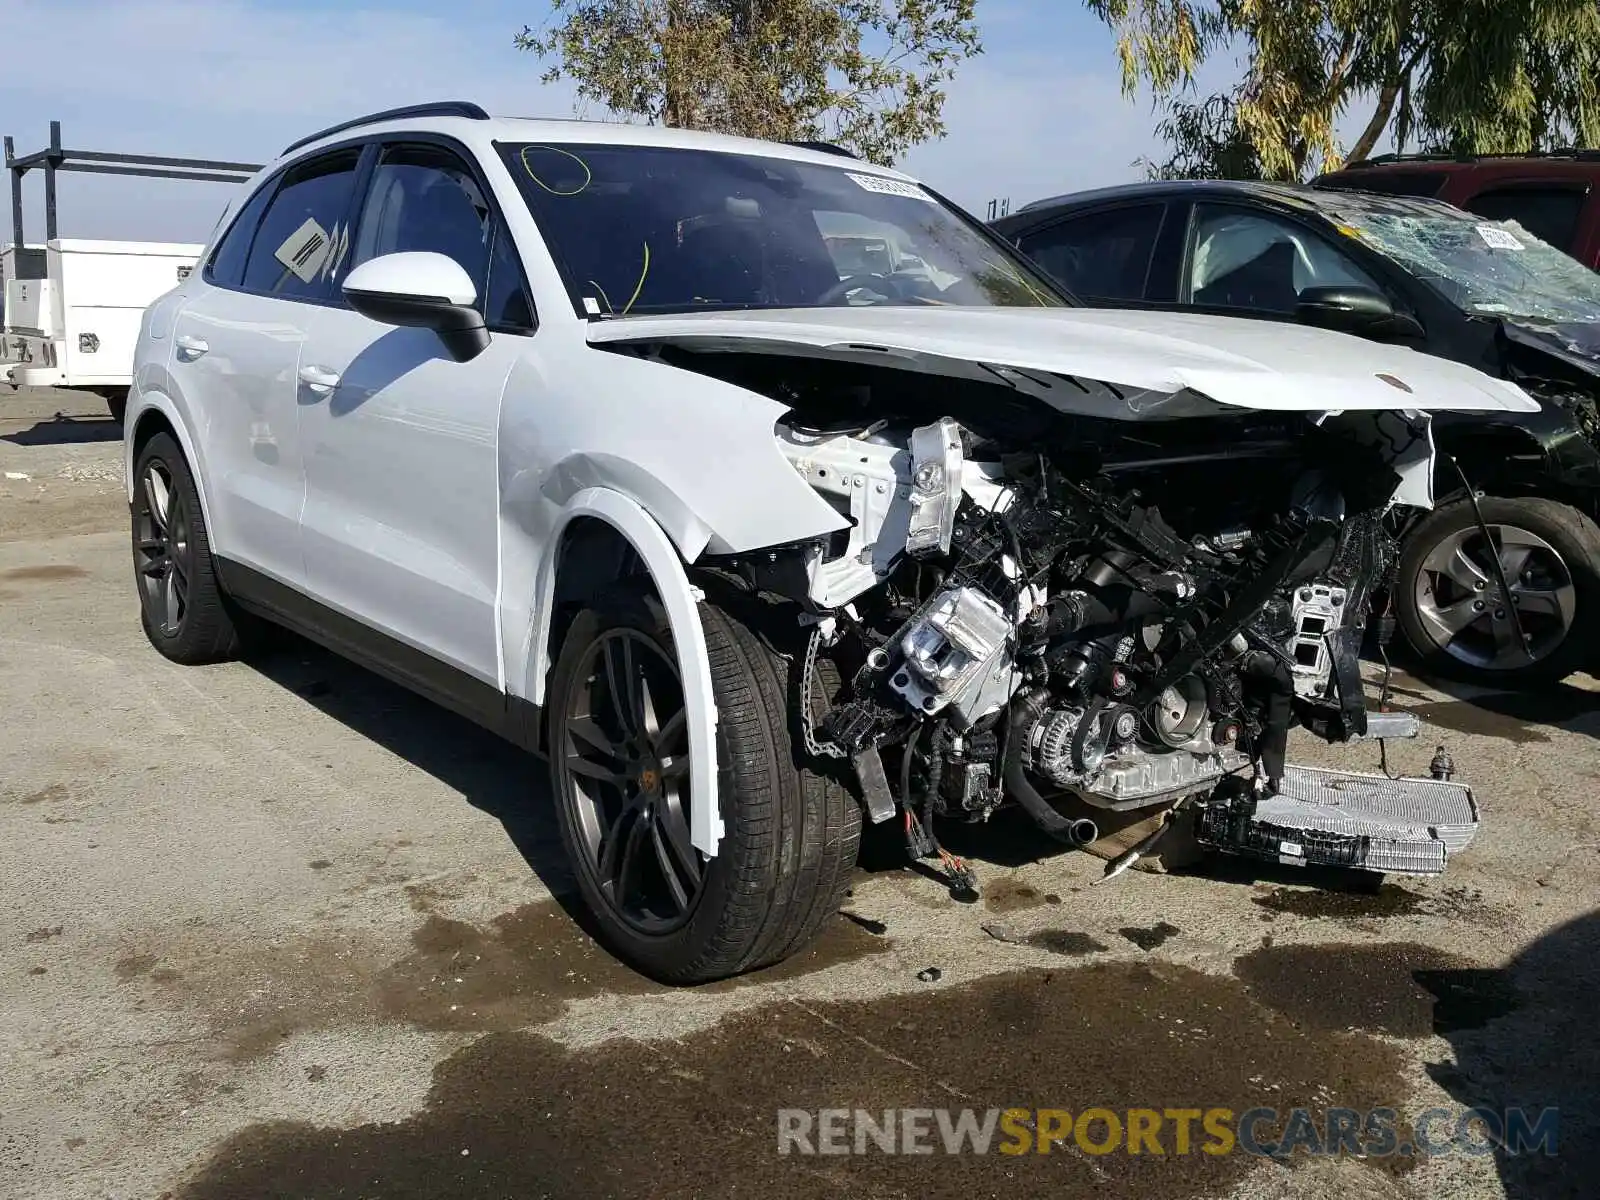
(401, 520)
(236, 349)
(1102, 256)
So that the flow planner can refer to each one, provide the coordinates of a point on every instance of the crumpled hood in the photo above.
(1574, 342)
(1147, 356)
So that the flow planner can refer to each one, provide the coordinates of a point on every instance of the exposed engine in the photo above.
(1096, 624)
(1134, 614)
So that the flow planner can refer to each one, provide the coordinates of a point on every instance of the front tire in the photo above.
(181, 604)
(1447, 592)
(621, 777)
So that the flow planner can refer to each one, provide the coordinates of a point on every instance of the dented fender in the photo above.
(681, 602)
(679, 465)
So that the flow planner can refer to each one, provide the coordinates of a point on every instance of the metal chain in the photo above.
(807, 671)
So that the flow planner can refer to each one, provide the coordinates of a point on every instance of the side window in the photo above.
(1262, 262)
(425, 198)
(1102, 255)
(507, 307)
(226, 268)
(1549, 213)
(304, 235)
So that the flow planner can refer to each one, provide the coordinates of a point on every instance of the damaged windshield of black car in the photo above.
(1487, 268)
(636, 229)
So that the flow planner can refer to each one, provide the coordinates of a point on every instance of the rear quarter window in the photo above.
(226, 266)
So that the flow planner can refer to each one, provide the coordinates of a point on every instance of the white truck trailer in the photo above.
(72, 313)
(73, 306)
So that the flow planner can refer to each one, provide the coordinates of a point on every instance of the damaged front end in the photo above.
(1109, 615)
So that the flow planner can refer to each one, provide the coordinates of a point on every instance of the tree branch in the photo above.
(1375, 127)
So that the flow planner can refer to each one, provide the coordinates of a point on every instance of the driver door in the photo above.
(401, 521)
(1251, 262)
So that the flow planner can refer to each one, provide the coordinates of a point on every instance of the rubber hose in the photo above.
(1074, 832)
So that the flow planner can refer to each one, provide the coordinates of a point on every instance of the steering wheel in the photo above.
(851, 282)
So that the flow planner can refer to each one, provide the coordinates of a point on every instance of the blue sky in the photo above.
(1039, 112)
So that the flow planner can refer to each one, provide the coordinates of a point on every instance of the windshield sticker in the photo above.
(1499, 239)
(889, 187)
(305, 250)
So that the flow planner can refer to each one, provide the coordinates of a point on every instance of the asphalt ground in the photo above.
(279, 928)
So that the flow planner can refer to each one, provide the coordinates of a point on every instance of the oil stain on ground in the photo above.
(44, 574)
(520, 970)
(1321, 903)
(1399, 988)
(1065, 941)
(1149, 939)
(515, 1114)
(1010, 894)
(1387, 902)
(530, 962)
(47, 795)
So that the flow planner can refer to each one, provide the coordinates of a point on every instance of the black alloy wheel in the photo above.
(618, 737)
(624, 760)
(181, 603)
(163, 552)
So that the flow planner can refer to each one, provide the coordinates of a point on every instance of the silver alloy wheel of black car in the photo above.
(624, 764)
(1459, 604)
(162, 548)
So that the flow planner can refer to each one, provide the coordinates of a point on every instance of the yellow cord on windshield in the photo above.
(639, 287)
(588, 175)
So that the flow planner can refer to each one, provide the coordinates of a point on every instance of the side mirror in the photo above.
(1352, 309)
(422, 290)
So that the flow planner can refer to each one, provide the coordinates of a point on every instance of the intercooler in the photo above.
(1336, 818)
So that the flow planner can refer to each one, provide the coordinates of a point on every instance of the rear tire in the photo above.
(1445, 578)
(791, 828)
(181, 604)
(117, 403)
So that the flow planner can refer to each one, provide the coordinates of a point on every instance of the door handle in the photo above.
(190, 348)
(319, 379)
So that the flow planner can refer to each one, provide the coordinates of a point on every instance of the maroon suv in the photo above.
(1555, 196)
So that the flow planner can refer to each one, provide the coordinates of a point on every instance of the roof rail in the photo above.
(440, 108)
(1378, 160)
(825, 148)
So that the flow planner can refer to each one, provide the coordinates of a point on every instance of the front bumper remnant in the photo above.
(1342, 819)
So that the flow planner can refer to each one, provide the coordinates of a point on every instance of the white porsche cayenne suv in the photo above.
(763, 492)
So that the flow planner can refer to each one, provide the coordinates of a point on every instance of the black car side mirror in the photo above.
(1352, 309)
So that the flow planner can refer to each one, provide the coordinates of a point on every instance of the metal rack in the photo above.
(55, 158)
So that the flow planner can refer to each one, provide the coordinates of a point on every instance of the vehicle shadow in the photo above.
(493, 776)
(1517, 716)
(65, 430)
(1524, 1038)
(1490, 712)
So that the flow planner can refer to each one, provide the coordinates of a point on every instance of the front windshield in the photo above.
(640, 229)
(1486, 268)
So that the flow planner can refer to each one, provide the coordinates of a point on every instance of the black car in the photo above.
(1425, 274)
